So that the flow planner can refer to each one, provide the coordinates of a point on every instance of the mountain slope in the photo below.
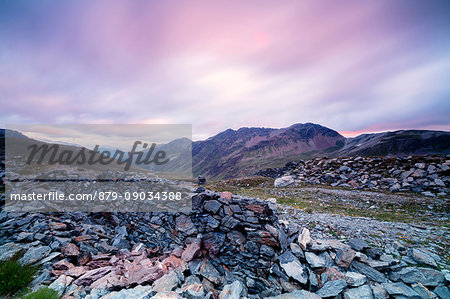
(244, 151)
(397, 143)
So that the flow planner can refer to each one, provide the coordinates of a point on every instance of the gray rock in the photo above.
(355, 279)
(419, 173)
(442, 292)
(208, 271)
(426, 276)
(138, 292)
(266, 250)
(378, 265)
(24, 237)
(344, 169)
(428, 193)
(399, 288)
(420, 165)
(284, 181)
(329, 262)
(35, 254)
(447, 277)
(314, 284)
(362, 292)
(212, 222)
(184, 224)
(320, 245)
(297, 250)
(332, 288)
(293, 268)
(370, 272)
(423, 291)
(168, 295)
(406, 174)
(422, 258)
(212, 206)
(439, 182)
(50, 257)
(358, 244)
(166, 283)
(300, 294)
(8, 250)
(387, 258)
(378, 291)
(232, 291)
(396, 187)
(444, 167)
(304, 238)
(314, 261)
(374, 252)
(344, 257)
(61, 284)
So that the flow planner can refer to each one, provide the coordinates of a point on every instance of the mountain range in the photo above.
(236, 153)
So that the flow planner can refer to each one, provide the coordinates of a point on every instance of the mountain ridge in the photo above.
(234, 153)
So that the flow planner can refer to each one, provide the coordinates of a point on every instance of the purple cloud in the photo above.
(350, 65)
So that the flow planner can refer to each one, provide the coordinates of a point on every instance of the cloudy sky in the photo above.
(354, 66)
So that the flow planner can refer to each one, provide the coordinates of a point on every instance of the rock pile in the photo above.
(227, 247)
(426, 175)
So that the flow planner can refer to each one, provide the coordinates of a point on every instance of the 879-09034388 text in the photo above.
(98, 195)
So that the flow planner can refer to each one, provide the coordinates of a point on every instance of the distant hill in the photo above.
(398, 143)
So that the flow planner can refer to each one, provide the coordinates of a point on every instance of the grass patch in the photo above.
(43, 293)
(14, 277)
(413, 210)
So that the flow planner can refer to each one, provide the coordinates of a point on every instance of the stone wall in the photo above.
(226, 245)
(241, 234)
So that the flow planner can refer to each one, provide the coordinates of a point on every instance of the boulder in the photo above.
(166, 283)
(138, 292)
(344, 257)
(362, 292)
(423, 258)
(8, 250)
(92, 275)
(284, 181)
(423, 291)
(300, 294)
(314, 261)
(399, 289)
(234, 290)
(358, 244)
(70, 250)
(370, 272)
(304, 238)
(191, 250)
(442, 291)
(60, 285)
(292, 266)
(355, 279)
(426, 276)
(34, 255)
(332, 288)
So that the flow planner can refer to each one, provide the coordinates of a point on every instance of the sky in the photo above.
(353, 66)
